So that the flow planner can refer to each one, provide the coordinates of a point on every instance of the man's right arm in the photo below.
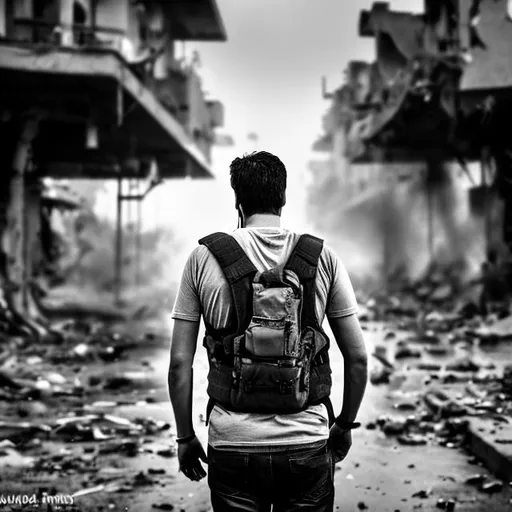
(349, 338)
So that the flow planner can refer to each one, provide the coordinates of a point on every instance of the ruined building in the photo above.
(417, 141)
(93, 89)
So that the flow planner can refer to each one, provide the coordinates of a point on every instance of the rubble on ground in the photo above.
(57, 424)
(433, 328)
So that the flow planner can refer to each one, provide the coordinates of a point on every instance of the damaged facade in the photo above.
(418, 139)
(93, 89)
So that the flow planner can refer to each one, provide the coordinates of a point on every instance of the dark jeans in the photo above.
(300, 479)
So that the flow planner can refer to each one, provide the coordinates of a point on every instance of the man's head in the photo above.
(259, 182)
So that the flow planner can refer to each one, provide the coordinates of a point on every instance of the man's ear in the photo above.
(284, 199)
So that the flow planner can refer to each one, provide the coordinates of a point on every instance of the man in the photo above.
(259, 459)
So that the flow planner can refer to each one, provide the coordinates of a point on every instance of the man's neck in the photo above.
(263, 220)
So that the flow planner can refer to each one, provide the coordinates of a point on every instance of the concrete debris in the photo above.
(405, 406)
(492, 487)
(443, 504)
(423, 494)
(404, 351)
(442, 293)
(499, 331)
(61, 403)
(441, 404)
(475, 479)
(436, 350)
(10, 457)
(76, 382)
(429, 367)
(446, 334)
(413, 439)
(465, 364)
(380, 375)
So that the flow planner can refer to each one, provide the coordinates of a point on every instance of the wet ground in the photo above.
(379, 473)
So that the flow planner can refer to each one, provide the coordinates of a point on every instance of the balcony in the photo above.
(182, 94)
(80, 89)
(45, 34)
(106, 73)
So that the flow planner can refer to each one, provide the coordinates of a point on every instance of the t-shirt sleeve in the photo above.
(187, 305)
(341, 300)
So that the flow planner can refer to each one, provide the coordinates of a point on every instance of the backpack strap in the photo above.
(304, 262)
(238, 270)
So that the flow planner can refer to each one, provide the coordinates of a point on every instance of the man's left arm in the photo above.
(180, 381)
(341, 313)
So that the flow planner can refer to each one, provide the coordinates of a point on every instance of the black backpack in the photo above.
(273, 357)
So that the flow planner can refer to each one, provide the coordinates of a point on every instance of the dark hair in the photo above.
(259, 182)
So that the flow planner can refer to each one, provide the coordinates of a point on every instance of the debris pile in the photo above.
(58, 403)
(440, 342)
(422, 429)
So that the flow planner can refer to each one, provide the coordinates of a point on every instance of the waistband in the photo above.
(280, 448)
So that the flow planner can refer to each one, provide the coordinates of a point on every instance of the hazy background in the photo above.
(268, 76)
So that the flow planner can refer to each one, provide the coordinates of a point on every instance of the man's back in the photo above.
(205, 289)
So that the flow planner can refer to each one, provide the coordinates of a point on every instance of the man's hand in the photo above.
(188, 456)
(340, 442)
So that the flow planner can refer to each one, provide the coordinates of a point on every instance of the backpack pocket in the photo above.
(220, 382)
(272, 338)
(265, 386)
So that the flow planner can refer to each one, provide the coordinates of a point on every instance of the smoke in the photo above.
(84, 273)
(399, 221)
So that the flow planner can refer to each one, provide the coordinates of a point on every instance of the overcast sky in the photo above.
(269, 72)
(268, 76)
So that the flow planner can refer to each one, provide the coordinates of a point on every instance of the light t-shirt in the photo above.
(204, 291)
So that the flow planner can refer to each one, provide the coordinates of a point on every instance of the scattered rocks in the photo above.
(403, 352)
(492, 487)
(437, 350)
(475, 479)
(440, 403)
(429, 337)
(442, 293)
(380, 375)
(167, 452)
(500, 330)
(423, 494)
(405, 406)
(429, 367)
(465, 364)
(448, 505)
(394, 426)
(412, 439)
